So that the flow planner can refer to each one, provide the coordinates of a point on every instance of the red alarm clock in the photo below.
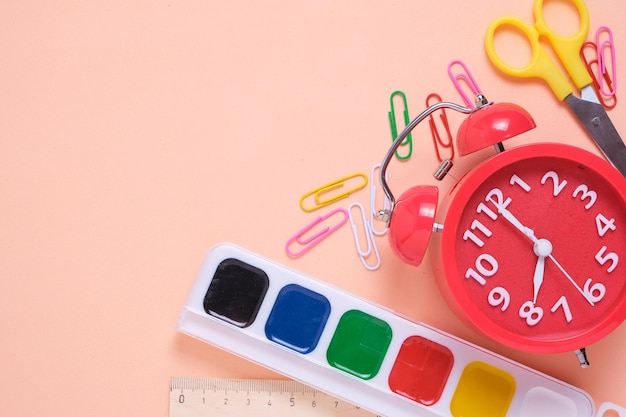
(530, 246)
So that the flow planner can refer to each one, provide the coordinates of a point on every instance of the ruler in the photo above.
(219, 397)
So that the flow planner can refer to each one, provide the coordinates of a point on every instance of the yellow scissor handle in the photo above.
(540, 65)
(567, 47)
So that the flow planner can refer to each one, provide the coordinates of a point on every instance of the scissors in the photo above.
(587, 107)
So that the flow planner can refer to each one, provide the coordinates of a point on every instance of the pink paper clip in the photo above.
(603, 45)
(309, 236)
(468, 79)
(597, 71)
(437, 137)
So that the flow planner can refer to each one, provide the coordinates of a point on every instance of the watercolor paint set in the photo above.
(360, 352)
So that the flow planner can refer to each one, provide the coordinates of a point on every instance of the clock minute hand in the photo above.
(530, 233)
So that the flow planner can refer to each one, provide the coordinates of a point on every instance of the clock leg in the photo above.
(581, 354)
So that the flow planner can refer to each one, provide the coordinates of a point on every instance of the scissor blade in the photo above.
(596, 122)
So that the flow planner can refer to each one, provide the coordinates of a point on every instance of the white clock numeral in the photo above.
(499, 297)
(604, 225)
(470, 235)
(585, 193)
(471, 273)
(531, 313)
(486, 265)
(515, 180)
(562, 303)
(611, 256)
(582, 190)
(558, 185)
(594, 292)
(482, 208)
(496, 197)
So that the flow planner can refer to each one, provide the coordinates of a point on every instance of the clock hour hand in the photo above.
(538, 277)
(542, 248)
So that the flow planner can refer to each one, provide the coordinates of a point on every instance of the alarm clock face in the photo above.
(533, 251)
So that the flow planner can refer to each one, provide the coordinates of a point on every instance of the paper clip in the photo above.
(437, 139)
(370, 244)
(308, 238)
(394, 127)
(468, 79)
(591, 64)
(332, 186)
(597, 71)
(602, 47)
(373, 203)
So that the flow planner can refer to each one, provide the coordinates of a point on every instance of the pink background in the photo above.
(136, 135)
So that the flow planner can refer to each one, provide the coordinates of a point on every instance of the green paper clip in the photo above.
(408, 141)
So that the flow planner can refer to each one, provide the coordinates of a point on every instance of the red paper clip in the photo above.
(307, 237)
(466, 77)
(437, 137)
(604, 81)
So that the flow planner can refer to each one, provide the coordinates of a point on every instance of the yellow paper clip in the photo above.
(308, 237)
(437, 137)
(322, 200)
(393, 124)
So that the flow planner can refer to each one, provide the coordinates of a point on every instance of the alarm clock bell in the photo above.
(411, 219)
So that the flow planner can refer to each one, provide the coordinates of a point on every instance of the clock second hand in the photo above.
(530, 233)
(571, 279)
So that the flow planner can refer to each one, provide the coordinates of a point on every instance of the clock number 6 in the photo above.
(594, 292)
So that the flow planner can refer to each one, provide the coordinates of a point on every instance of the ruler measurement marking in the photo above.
(205, 397)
